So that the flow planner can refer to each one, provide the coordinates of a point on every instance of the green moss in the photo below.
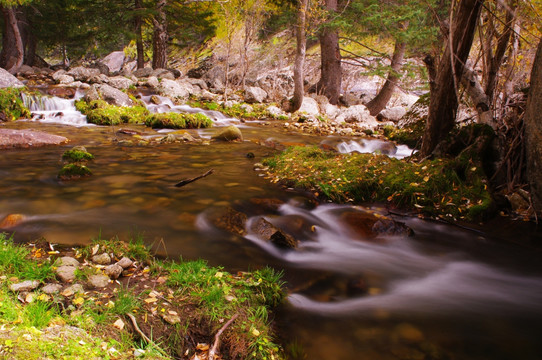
(73, 171)
(178, 121)
(11, 105)
(100, 112)
(77, 154)
(434, 187)
(238, 111)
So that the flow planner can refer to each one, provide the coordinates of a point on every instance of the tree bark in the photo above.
(330, 57)
(160, 36)
(299, 76)
(444, 102)
(139, 36)
(533, 131)
(474, 89)
(12, 46)
(376, 105)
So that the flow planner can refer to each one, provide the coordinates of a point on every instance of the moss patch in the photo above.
(100, 112)
(11, 105)
(239, 111)
(178, 121)
(434, 187)
(74, 171)
(77, 154)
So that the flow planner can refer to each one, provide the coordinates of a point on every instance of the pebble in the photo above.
(71, 290)
(113, 271)
(98, 281)
(50, 289)
(66, 273)
(24, 286)
(125, 262)
(68, 261)
(102, 259)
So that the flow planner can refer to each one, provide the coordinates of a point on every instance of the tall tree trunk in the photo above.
(13, 49)
(299, 76)
(376, 105)
(160, 36)
(533, 131)
(139, 35)
(330, 57)
(444, 101)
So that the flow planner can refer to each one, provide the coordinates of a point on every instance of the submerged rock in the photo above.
(268, 232)
(11, 220)
(369, 226)
(11, 139)
(229, 219)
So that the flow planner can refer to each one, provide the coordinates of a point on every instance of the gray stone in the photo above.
(100, 79)
(98, 281)
(125, 262)
(230, 133)
(114, 61)
(102, 259)
(175, 89)
(91, 94)
(120, 82)
(207, 96)
(393, 114)
(66, 273)
(309, 106)
(50, 289)
(113, 96)
(254, 94)
(24, 286)
(8, 80)
(153, 82)
(84, 74)
(113, 271)
(11, 139)
(198, 82)
(357, 114)
(247, 108)
(65, 79)
(73, 289)
(145, 72)
(68, 260)
(274, 111)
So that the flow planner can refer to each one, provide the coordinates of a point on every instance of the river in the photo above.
(445, 293)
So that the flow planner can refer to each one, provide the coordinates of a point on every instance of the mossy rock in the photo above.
(173, 120)
(100, 112)
(11, 105)
(230, 133)
(73, 171)
(238, 110)
(76, 155)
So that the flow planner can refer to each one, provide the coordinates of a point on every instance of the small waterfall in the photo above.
(50, 109)
(371, 146)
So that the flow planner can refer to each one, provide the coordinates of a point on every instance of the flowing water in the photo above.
(444, 293)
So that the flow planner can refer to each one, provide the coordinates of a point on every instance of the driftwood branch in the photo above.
(190, 180)
(214, 349)
(138, 330)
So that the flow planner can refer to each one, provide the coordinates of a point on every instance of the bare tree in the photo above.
(160, 36)
(299, 76)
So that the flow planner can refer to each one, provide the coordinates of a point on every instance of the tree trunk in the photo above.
(474, 89)
(139, 36)
(376, 105)
(160, 36)
(330, 57)
(12, 46)
(444, 101)
(299, 76)
(533, 131)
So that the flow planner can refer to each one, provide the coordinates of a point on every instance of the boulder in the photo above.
(114, 61)
(163, 74)
(98, 281)
(230, 133)
(357, 114)
(175, 89)
(309, 106)
(11, 139)
(84, 74)
(141, 73)
(198, 82)
(25, 70)
(153, 82)
(99, 79)
(62, 92)
(113, 96)
(274, 111)
(331, 111)
(392, 114)
(120, 82)
(8, 80)
(207, 95)
(254, 94)
(24, 286)
(66, 273)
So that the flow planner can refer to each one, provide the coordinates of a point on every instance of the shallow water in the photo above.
(445, 293)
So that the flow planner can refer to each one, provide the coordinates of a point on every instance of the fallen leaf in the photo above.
(78, 300)
(119, 324)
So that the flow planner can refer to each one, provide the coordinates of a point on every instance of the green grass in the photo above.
(125, 302)
(438, 187)
(178, 121)
(15, 262)
(135, 248)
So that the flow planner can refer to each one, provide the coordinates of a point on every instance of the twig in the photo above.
(188, 181)
(213, 350)
(138, 330)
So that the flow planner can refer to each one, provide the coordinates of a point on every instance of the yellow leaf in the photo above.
(78, 301)
(151, 300)
(255, 332)
(426, 179)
